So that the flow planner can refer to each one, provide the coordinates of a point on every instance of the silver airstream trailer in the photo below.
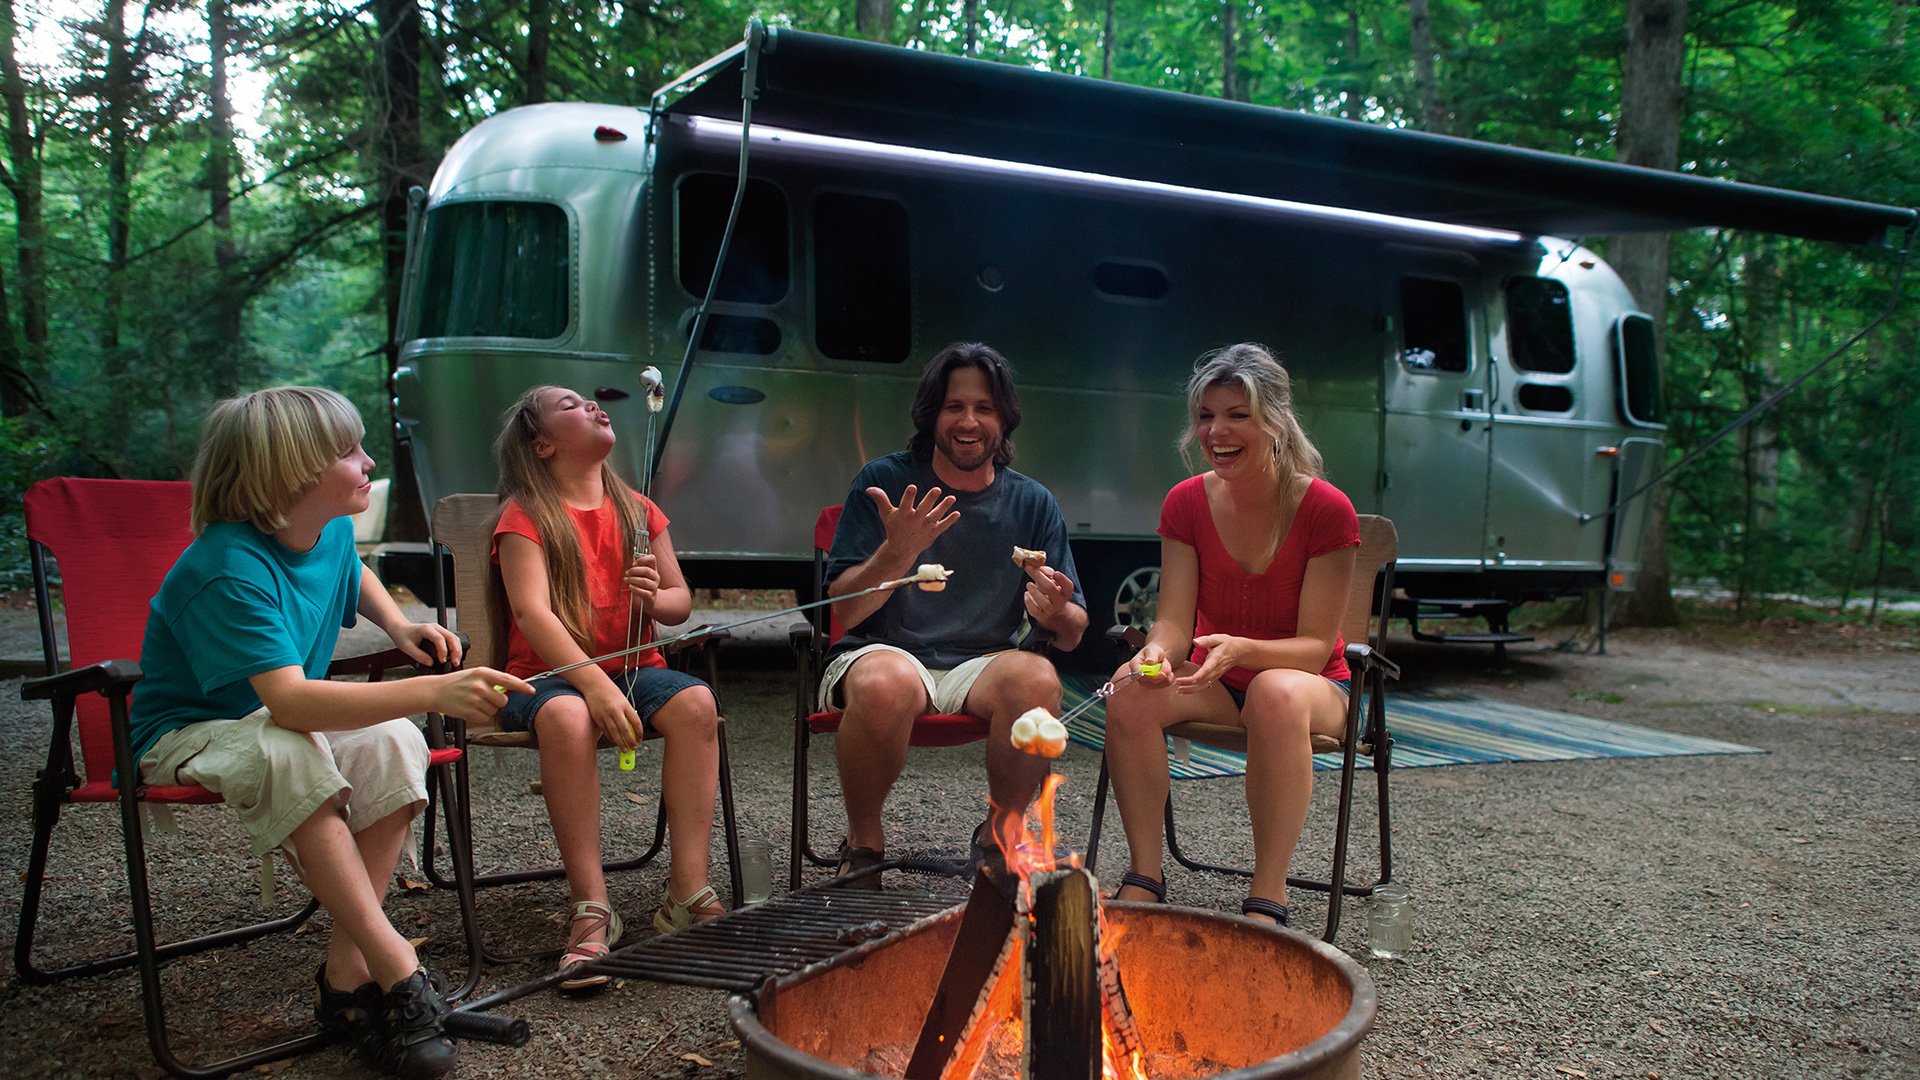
(1490, 388)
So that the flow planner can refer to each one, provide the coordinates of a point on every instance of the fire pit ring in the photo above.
(1250, 1000)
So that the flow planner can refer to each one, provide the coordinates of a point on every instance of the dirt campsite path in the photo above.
(1741, 916)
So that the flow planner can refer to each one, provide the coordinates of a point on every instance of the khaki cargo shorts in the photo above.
(947, 690)
(277, 778)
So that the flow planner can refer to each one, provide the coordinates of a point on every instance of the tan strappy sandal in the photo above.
(680, 914)
(601, 917)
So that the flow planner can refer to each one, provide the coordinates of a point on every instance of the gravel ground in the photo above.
(1748, 916)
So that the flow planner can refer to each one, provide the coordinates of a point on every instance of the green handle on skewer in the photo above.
(1148, 671)
(626, 761)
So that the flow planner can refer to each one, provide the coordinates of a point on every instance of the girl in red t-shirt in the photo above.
(1256, 557)
(562, 552)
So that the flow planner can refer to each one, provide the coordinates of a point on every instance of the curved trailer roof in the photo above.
(860, 90)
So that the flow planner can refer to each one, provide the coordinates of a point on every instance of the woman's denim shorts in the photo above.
(648, 688)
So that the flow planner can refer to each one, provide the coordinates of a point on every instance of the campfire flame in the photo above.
(1026, 856)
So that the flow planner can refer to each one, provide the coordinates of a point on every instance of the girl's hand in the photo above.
(615, 716)
(1223, 655)
(476, 693)
(1148, 656)
(428, 643)
(643, 579)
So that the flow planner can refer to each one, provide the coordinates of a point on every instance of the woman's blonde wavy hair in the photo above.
(261, 452)
(1253, 369)
(526, 479)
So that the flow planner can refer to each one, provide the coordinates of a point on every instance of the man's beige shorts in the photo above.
(277, 778)
(947, 690)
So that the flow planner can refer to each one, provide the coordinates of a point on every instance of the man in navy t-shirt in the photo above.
(949, 498)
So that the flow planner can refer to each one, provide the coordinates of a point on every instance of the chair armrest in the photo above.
(104, 677)
(698, 638)
(800, 634)
(1360, 654)
(1126, 634)
(385, 660)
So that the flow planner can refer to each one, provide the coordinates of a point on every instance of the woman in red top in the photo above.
(1256, 557)
(562, 549)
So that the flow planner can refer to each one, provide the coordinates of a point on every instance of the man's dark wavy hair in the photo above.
(932, 395)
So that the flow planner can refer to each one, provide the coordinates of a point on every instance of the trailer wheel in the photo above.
(1137, 601)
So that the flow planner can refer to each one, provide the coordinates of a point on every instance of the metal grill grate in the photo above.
(740, 949)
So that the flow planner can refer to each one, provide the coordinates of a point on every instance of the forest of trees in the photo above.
(173, 239)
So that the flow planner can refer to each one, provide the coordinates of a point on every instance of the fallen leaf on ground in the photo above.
(1797, 840)
(411, 885)
(730, 1044)
(1568, 1071)
(696, 1059)
(631, 797)
(416, 942)
(1657, 1026)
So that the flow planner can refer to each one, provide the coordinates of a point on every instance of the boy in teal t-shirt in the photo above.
(236, 698)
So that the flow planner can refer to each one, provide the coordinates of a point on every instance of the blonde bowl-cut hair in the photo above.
(526, 479)
(261, 452)
(1253, 369)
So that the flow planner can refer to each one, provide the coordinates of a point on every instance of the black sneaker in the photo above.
(414, 1047)
(352, 1015)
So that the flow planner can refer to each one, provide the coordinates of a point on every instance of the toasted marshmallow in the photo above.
(1040, 733)
(931, 576)
(1025, 557)
(656, 387)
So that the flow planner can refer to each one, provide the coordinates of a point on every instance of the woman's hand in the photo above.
(1223, 655)
(614, 715)
(643, 579)
(427, 643)
(1149, 655)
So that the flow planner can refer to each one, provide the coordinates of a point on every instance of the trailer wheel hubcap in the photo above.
(1138, 599)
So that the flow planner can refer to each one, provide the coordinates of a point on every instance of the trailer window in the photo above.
(1539, 325)
(1545, 397)
(757, 268)
(494, 269)
(1129, 281)
(735, 334)
(1639, 371)
(861, 302)
(1433, 325)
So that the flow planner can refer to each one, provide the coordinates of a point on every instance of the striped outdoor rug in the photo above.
(1432, 729)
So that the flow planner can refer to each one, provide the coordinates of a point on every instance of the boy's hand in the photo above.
(428, 643)
(643, 579)
(615, 716)
(470, 694)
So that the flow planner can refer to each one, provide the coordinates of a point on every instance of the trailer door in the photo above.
(1434, 438)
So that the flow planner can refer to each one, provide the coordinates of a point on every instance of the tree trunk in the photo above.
(118, 94)
(973, 27)
(539, 34)
(1652, 104)
(1350, 108)
(870, 18)
(13, 376)
(1106, 45)
(1433, 117)
(1229, 30)
(23, 182)
(400, 167)
(228, 306)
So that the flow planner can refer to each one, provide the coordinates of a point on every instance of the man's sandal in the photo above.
(1258, 905)
(850, 859)
(1141, 881)
(680, 914)
(599, 917)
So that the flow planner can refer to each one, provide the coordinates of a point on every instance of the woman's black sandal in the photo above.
(852, 859)
(1141, 881)
(1257, 905)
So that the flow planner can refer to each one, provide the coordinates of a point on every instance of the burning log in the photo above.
(982, 952)
(1063, 1009)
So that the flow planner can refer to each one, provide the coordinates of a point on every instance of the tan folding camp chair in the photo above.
(463, 529)
(1366, 639)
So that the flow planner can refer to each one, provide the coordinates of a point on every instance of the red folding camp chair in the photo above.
(114, 541)
(810, 642)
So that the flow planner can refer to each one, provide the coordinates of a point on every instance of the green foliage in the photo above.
(1822, 499)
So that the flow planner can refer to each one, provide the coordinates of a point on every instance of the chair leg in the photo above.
(46, 814)
(731, 824)
(801, 846)
(460, 853)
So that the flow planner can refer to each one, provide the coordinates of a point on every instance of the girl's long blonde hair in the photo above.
(1269, 391)
(526, 479)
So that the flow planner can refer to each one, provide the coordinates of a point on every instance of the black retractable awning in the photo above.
(859, 90)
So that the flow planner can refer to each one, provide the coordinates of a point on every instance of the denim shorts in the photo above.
(1240, 696)
(648, 688)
